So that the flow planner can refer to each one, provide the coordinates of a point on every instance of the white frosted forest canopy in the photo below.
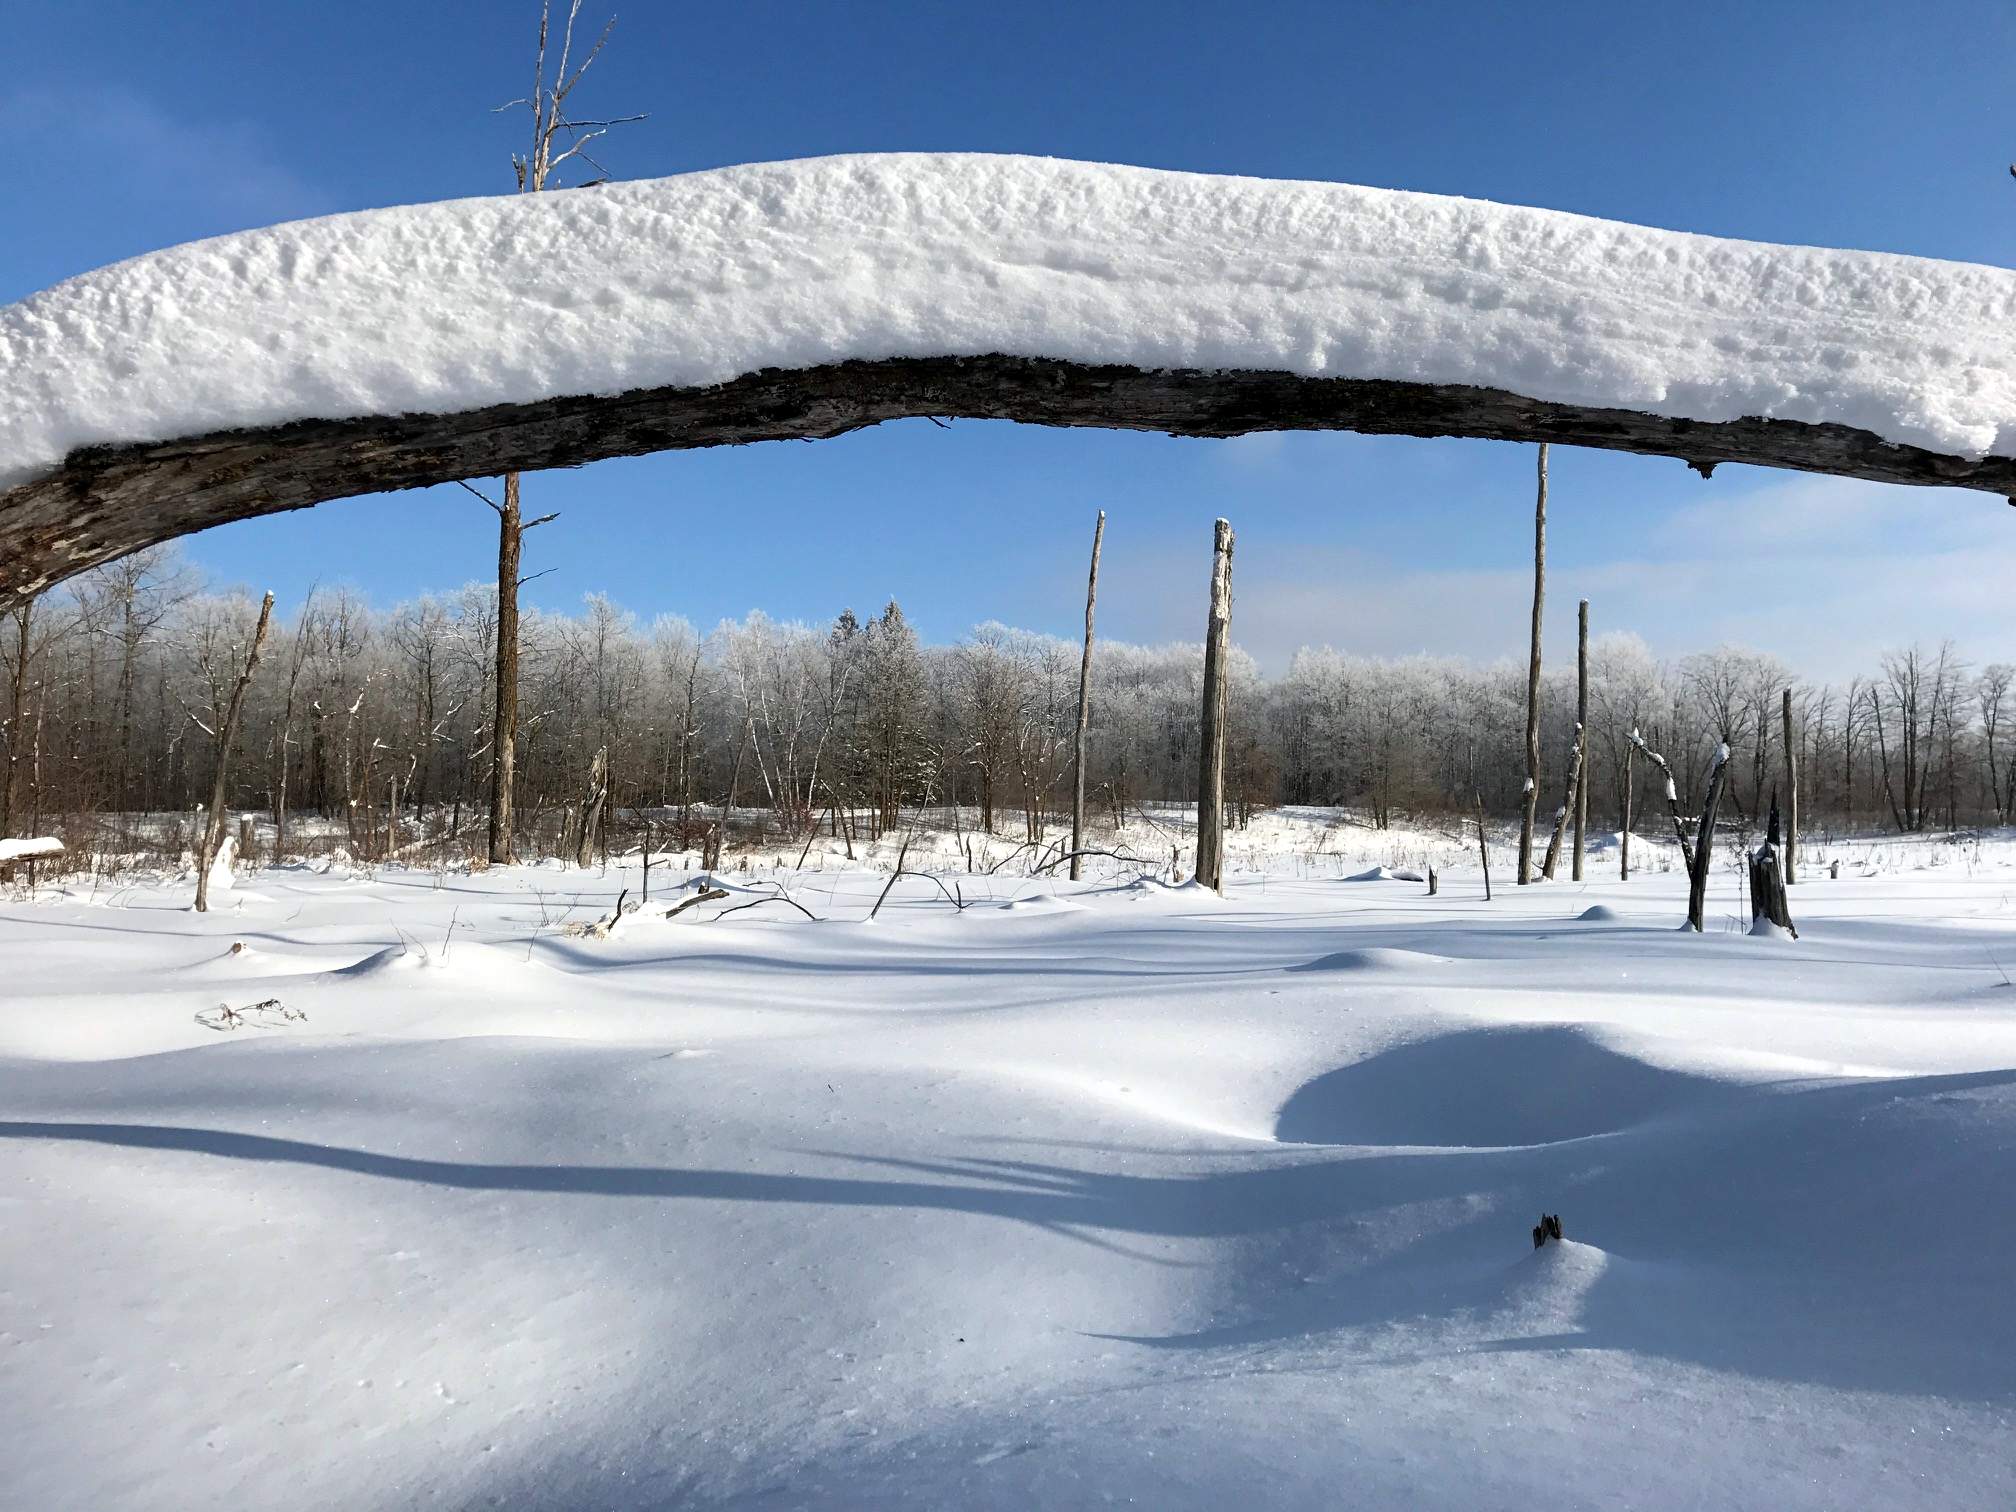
(701, 278)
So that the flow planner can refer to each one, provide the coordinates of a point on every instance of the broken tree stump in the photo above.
(1767, 881)
(1549, 1227)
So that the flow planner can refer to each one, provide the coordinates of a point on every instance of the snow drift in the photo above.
(698, 279)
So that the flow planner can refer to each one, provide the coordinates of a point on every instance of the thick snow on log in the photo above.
(705, 277)
(30, 849)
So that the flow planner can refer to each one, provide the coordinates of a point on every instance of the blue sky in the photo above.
(1886, 126)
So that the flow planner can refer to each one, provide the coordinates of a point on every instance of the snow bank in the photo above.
(700, 278)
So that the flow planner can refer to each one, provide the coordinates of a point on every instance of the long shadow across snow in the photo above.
(1846, 1234)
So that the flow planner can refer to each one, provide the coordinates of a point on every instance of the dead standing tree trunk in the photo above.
(1532, 801)
(1672, 797)
(1568, 806)
(511, 528)
(1791, 798)
(1767, 881)
(591, 808)
(1211, 757)
(556, 137)
(1624, 834)
(1084, 704)
(1704, 844)
(1483, 848)
(227, 731)
(1582, 732)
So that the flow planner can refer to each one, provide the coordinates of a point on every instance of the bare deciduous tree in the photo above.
(557, 138)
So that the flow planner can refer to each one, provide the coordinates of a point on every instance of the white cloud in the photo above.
(1825, 573)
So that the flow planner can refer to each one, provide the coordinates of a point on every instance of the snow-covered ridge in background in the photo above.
(704, 277)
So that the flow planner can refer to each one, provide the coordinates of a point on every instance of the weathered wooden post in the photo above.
(1211, 759)
(1533, 678)
(1084, 705)
(1581, 729)
(1791, 797)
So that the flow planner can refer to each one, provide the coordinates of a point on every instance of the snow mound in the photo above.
(701, 278)
(1374, 958)
(239, 960)
(1387, 874)
(1153, 889)
(1042, 903)
(1598, 913)
(1547, 1290)
(1488, 1088)
(463, 960)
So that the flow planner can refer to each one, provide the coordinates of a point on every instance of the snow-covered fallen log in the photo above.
(25, 853)
(394, 348)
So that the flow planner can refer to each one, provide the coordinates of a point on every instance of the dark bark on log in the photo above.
(106, 501)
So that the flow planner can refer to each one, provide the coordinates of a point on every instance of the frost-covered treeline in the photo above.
(358, 713)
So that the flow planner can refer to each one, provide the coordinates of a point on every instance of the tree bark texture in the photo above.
(504, 727)
(1084, 703)
(1211, 755)
(591, 808)
(106, 501)
(1767, 882)
(1704, 846)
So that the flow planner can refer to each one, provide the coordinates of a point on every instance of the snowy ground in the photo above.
(1084, 1195)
